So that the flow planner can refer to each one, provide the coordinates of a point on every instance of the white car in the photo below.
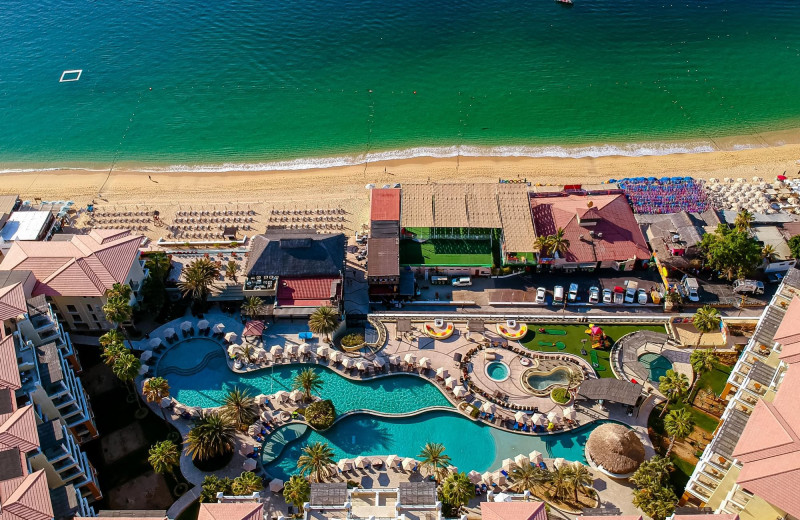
(607, 295)
(641, 297)
(541, 292)
(630, 294)
(594, 295)
(572, 295)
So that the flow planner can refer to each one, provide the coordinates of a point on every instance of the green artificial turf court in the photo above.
(446, 252)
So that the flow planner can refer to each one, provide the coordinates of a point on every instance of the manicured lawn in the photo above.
(715, 378)
(575, 333)
(701, 420)
(679, 477)
(446, 252)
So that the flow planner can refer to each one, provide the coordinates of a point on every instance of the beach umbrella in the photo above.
(165, 402)
(249, 464)
(369, 186)
(281, 395)
(266, 415)
(570, 413)
(323, 351)
(452, 469)
(559, 462)
(508, 464)
(155, 342)
(409, 359)
(425, 362)
(460, 391)
(202, 325)
(252, 429)
(336, 356)
(488, 478)
(303, 348)
(246, 449)
(521, 460)
(535, 457)
(474, 476)
(147, 354)
(539, 419)
(143, 370)
(713, 180)
(392, 461)
(231, 337)
(376, 462)
(276, 350)
(450, 382)
(361, 365)
(521, 417)
(488, 407)
(361, 462)
(726, 179)
(499, 478)
(553, 417)
(291, 349)
(295, 395)
(219, 328)
(168, 333)
(379, 361)
(275, 485)
(502, 497)
(231, 351)
(441, 372)
(347, 363)
(409, 464)
(344, 465)
(394, 360)
(186, 325)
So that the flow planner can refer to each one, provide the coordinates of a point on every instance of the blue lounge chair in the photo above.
(504, 472)
(543, 465)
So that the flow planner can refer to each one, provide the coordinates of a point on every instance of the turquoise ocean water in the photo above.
(298, 83)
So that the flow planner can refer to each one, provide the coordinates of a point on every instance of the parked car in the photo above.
(630, 293)
(691, 288)
(462, 281)
(748, 287)
(607, 295)
(594, 295)
(641, 297)
(541, 292)
(558, 294)
(573, 292)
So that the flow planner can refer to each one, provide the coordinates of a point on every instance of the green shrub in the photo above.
(352, 340)
(560, 395)
(320, 414)
(212, 485)
(474, 412)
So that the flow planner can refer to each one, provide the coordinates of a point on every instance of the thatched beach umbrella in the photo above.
(409, 464)
(392, 461)
(487, 478)
(615, 448)
(521, 460)
(508, 464)
(344, 465)
(499, 478)
(559, 462)
(535, 456)
(474, 476)
(361, 462)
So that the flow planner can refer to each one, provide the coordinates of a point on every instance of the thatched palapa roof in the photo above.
(616, 448)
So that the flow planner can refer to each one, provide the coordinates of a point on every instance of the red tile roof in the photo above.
(621, 237)
(9, 370)
(18, 430)
(305, 292)
(788, 333)
(26, 498)
(513, 511)
(769, 447)
(623, 517)
(12, 301)
(230, 511)
(718, 516)
(86, 265)
(385, 204)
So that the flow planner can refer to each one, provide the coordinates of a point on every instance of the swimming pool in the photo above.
(542, 381)
(470, 445)
(656, 364)
(398, 393)
(497, 370)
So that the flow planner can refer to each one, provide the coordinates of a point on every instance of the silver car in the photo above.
(541, 292)
(594, 295)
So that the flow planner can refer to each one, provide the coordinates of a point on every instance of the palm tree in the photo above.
(158, 263)
(197, 278)
(434, 460)
(702, 361)
(246, 351)
(672, 385)
(246, 484)
(111, 337)
(457, 490)
(768, 252)
(559, 244)
(212, 436)
(113, 352)
(744, 219)
(231, 269)
(126, 367)
(543, 245)
(316, 460)
(164, 456)
(308, 381)
(706, 319)
(252, 306)
(154, 390)
(239, 408)
(678, 424)
(297, 491)
(526, 477)
(579, 478)
(560, 481)
(323, 321)
(118, 308)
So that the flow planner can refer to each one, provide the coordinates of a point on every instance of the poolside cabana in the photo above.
(348, 363)
(361, 366)
(488, 407)
(535, 457)
(409, 359)
(441, 372)
(291, 349)
(379, 362)
(336, 356)
(451, 382)
(276, 351)
(460, 391)
(424, 362)
(474, 477)
(303, 348)
(323, 351)
(253, 328)
(154, 343)
(219, 328)
(186, 326)
(296, 395)
(202, 325)
(410, 464)
(231, 337)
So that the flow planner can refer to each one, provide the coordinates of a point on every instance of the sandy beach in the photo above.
(343, 187)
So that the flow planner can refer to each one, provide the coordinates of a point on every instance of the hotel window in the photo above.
(89, 307)
(72, 308)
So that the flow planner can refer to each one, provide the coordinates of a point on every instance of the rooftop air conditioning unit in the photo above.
(676, 238)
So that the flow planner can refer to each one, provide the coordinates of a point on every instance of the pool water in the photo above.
(398, 393)
(497, 371)
(469, 444)
(559, 376)
(656, 364)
